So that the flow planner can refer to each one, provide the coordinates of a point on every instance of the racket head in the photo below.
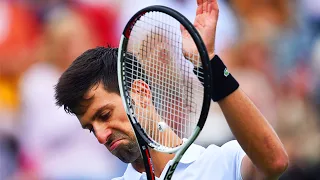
(135, 58)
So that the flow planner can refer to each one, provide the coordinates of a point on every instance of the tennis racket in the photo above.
(158, 80)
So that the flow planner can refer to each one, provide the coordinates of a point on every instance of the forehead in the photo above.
(92, 91)
(96, 93)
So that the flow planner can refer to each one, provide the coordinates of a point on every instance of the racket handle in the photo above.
(147, 162)
(145, 156)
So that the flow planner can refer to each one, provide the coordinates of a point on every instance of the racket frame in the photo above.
(141, 135)
(142, 141)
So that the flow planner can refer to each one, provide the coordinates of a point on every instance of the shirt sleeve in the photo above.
(234, 155)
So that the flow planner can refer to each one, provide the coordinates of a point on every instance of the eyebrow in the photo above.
(98, 112)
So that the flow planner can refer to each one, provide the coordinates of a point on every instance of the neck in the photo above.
(159, 161)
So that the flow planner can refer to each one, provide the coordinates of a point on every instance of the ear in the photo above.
(140, 93)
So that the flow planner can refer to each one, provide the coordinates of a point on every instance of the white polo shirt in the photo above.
(212, 163)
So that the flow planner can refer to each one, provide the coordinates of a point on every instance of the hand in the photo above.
(206, 23)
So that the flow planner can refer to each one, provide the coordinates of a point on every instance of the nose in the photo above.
(102, 134)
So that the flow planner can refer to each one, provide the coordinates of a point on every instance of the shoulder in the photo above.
(231, 147)
(231, 152)
(118, 178)
(131, 174)
(225, 161)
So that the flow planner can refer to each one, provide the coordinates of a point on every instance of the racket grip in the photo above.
(148, 163)
(223, 83)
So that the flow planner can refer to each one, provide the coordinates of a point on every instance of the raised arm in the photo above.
(266, 157)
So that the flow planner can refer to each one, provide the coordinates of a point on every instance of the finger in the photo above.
(213, 5)
(209, 6)
(199, 2)
(205, 5)
(200, 7)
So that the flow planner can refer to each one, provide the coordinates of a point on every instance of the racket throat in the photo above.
(170, 171)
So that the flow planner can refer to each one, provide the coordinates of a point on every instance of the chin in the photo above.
(126, 155)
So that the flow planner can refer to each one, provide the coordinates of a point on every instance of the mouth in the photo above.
(114, 144)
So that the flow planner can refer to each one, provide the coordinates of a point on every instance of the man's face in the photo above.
(106, 118)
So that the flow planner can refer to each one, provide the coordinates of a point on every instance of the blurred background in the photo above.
(271, 46)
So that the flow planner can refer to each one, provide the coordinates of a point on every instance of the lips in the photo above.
(114, 144)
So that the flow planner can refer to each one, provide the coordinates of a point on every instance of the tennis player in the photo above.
(89, 89)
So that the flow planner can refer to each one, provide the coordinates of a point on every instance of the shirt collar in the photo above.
(192, 154)
(131, 173)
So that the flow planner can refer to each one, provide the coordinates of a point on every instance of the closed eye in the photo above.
(102, 117)
(106, 116)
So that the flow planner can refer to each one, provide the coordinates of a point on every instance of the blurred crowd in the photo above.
(272, 47)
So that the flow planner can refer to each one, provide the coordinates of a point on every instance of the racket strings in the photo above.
(156, 45)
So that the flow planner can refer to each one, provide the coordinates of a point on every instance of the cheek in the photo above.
(123, 118)
(126, 126)
(123, 124)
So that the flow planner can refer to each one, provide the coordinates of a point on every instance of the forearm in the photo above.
(254, 133)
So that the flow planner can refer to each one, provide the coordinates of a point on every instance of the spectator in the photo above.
(57, 148)
(18, 31)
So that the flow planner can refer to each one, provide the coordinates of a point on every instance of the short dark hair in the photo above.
(92, 67)
(98, 65)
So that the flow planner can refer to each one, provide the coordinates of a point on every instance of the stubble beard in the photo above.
(128, 152)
